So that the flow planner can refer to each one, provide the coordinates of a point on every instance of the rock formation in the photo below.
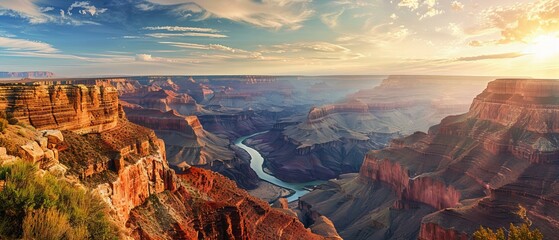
(209, 206)
(187, 143)
(333, 139)
(126, 165)
(81, 108)
(492, 166)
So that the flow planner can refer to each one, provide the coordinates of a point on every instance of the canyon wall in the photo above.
(126, 165)
(492, 166)
(84, 109)
(188, 143)
(333, 139)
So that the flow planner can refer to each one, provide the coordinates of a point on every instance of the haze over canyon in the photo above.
(279, 119)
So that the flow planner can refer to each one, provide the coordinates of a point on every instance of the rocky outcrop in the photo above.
(333, 139)
(80, 108)
(154, 97)
(492, 166)
(209, 206)
(187, 143)
(126, 165)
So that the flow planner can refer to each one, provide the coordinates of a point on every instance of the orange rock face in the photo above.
(228, 213)
(84, 109)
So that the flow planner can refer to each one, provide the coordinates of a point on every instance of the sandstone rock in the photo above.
(188, 143)
(31, 152)
(80, 108)
(230, 214)
(53, 136)
(42, 141)
(324, 227)
(491, 166)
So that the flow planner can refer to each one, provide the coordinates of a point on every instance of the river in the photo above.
(256, 163)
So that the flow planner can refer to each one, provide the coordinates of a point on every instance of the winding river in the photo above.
(256, 163)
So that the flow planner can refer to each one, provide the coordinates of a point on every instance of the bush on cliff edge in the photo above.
(40, 206)
(521, 232)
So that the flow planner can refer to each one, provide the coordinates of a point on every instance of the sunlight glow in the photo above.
(544, 46)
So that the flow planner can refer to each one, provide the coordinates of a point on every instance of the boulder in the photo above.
(31, 152)
(42, 141)
(53, 136)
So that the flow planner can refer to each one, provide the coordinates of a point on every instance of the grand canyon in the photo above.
(279, 119)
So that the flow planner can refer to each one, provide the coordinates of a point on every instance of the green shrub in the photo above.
(521, 232)
(45, 224)
(28, 198)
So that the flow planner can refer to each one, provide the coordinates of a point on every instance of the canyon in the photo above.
(333, 139)
(126, 165)
(492, 166)
(32, 74)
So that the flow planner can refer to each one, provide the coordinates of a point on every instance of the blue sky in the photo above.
(136, 37)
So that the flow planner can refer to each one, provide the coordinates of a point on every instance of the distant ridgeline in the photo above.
(34, 74)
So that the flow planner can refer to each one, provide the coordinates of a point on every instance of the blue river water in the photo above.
(256, 163)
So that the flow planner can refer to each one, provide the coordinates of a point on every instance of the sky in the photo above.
(281, 37)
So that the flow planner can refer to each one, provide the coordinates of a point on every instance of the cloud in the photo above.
(25, 9)
(411, 4)
(475, 43)
(145, 7)
(519, 22)
(86, 8)
(274, 14)
(331, 19)
(182, 29)
(457, 6)
(323, 47)
(491, 56)
(46, 9)
(216, 47)
(150, 58)
(187, 34)
(423, 8)
(14, 44)
(178, 31)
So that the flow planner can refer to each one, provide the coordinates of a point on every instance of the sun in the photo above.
(544, 46)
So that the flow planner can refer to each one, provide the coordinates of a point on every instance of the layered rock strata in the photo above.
(126, 165)
(333, 139)
(84, 109)
(187, 143)
(492, 166)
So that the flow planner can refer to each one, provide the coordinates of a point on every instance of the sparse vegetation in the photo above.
(11, 119)
(3, 124)
(521, 232)
(40, 206)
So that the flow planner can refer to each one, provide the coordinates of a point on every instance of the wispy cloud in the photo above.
(491, 56)
(275, 14)
(182, 29)
(187, 34)
(331, 19)
(216, 47)
(15, 44)
(518, 22)
(25, 9)
(29, 9)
